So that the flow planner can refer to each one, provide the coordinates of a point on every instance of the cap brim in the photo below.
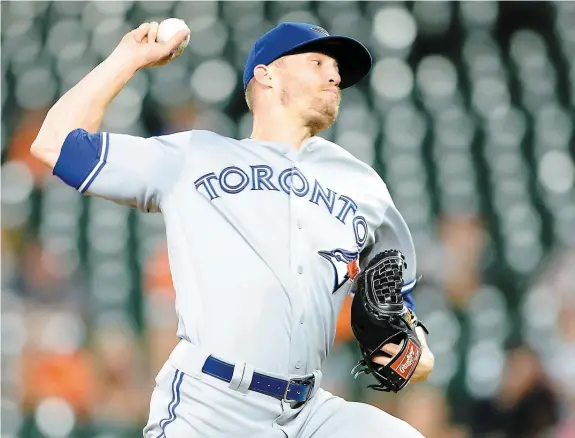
(353, 58)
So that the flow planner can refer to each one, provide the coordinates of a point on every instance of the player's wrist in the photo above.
(123, 64)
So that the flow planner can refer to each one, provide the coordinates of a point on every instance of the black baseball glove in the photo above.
(379, 317)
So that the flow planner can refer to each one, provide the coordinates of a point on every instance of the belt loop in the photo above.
(237, 375)
(189, 359)
(246, 379)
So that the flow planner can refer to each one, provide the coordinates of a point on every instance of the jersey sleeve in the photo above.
(393, 233)
(126, 169)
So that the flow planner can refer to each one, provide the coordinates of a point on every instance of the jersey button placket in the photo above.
(299, 345)
(296, 338)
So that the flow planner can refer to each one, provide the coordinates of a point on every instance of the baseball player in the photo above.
(265, 234)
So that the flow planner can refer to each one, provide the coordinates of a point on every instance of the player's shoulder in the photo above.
(212, 138)
(362, 173)
(195, 137)
(335, 152)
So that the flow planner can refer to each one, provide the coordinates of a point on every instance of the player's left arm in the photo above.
(393, 233)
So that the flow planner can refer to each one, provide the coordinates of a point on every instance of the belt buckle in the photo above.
(301, 381)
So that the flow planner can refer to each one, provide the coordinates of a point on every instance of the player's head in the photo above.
(302, 68)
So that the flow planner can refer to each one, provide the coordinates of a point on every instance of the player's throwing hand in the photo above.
(140, 46)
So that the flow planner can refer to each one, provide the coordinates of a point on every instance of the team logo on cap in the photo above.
(320, 30)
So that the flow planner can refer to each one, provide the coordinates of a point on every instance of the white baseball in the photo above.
(168, 28)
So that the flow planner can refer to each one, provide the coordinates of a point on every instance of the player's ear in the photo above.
(262, 74)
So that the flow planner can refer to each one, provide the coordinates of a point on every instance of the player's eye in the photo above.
(316, 61)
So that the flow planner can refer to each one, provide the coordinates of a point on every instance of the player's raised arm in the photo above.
(126, 169)
(83, 106)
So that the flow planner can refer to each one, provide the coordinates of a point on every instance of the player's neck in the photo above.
(267, 129)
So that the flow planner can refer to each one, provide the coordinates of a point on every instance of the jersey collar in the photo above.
(286, 149)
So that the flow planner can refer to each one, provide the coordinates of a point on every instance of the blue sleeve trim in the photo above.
(101, 163)
(406, 293)
(408, 300)
(80, 158)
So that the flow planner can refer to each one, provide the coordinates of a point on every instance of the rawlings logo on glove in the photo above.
(406, 363)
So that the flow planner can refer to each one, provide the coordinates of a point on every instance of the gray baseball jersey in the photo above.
(263, 240)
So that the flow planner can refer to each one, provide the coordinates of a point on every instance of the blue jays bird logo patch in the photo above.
(338, 258)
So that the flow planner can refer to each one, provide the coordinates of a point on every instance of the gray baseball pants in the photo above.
(187, 403)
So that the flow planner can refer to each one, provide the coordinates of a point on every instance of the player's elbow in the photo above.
(38, 149)
(44, 152)
(48, 144)
(50, 139)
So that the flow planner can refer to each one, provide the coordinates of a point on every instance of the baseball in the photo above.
(168, 28)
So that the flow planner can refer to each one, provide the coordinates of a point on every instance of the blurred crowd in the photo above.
(467, 115)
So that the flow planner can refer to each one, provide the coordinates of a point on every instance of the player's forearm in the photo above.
(83, 106)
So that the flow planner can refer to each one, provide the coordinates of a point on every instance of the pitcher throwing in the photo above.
(266, 236)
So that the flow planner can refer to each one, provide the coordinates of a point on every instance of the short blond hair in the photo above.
(249, 95)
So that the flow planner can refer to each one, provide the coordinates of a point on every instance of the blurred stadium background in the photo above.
(467, 115)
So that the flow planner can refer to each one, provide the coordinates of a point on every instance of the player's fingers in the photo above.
(178, 37)
(381, 360)
(392, 349)
(153, 32)
(141, 32)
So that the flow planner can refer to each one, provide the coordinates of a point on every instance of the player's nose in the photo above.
(334, 78)
(333, 73)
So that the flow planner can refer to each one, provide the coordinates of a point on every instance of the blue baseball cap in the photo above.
(288, 38)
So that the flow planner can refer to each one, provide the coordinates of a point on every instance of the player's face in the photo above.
(309, 85)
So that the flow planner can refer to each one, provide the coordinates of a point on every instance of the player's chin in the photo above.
(322, 115)
(322, 122)
(330, 116)
(330, 111)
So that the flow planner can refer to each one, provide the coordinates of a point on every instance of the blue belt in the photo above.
(297, 390)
